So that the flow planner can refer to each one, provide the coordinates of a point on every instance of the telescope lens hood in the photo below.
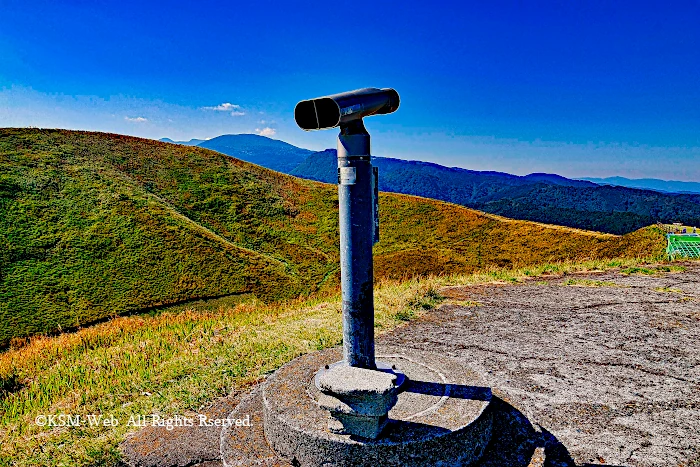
(317, 114)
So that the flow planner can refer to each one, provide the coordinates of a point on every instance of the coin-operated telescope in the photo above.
(344, 108)
(358, 206)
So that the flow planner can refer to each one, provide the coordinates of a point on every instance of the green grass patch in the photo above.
(589, 283)
(465, 303)
(652, 270)
(668, 290)
(421, 303)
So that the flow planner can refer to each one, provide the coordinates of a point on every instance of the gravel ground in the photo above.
(608, 365)
(603, 367)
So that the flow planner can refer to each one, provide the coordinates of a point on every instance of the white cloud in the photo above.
(225, 107)
(234, 109)
(267, 131)
(266, 122)
(136, 119)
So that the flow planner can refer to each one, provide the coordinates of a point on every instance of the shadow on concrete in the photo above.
(515, 441)
(458, 391)
(397, 430)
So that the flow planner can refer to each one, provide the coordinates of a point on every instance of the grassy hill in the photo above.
(538, 197)
(95, 225)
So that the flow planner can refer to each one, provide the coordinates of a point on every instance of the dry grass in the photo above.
(165, 364)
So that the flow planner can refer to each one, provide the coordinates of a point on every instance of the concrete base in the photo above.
(440, 418)
(358, 399)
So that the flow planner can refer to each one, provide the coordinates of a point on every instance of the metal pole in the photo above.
(356, 219)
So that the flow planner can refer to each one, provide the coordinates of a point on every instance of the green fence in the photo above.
(683, 246)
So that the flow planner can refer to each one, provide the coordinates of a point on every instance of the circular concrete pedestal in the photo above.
(440, 418)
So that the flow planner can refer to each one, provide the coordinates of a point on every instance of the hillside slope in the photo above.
(93, 225)
(537, 197)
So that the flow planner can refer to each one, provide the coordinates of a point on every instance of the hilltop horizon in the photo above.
(670, 186)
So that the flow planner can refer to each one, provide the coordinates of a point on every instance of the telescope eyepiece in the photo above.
(332, 111)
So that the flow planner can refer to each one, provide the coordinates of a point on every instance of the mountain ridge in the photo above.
(539, 197)
(551, 178)
(270, 153)
(192, 142)
(667, 186)
(546, 198)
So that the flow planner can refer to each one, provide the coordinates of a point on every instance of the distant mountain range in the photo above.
(267, 152)
(192, 142)
(540, 197)
(670, 186)
(547, 198)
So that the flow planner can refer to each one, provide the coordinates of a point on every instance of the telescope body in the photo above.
(332, 111)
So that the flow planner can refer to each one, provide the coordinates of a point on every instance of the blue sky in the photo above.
(576, 88)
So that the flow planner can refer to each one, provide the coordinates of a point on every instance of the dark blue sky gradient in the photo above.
(513, 79)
